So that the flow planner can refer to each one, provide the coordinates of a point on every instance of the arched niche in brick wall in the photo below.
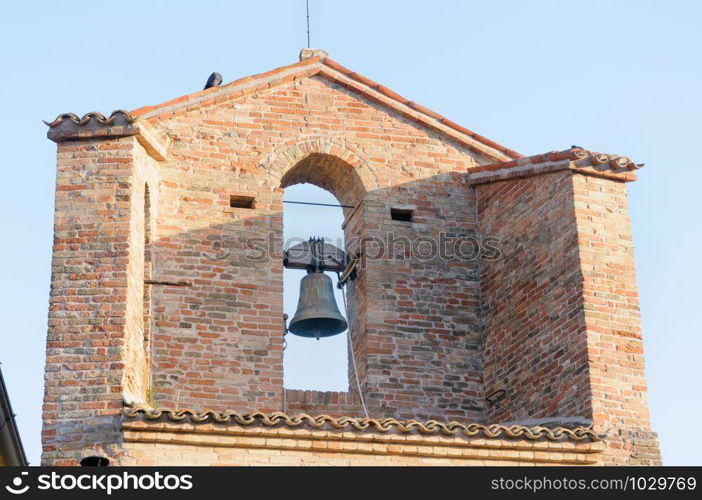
(332, 166)
(330, 173)
(325, 162)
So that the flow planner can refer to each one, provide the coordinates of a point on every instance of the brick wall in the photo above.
(218, 343)
(532, 298)
(421, 343)
(553, 321)
(611, 313)
(94, 349)
(561, 320)
(334, 403)
(137, 373)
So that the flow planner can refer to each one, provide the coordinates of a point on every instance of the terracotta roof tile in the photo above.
(93, 115)
(575, 158)
(382, 425)
(573, 153)
(69, 127)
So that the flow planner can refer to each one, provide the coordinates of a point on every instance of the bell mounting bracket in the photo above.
(316, 256)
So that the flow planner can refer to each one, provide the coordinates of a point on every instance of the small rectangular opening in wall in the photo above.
(401, 214)
(240, 201)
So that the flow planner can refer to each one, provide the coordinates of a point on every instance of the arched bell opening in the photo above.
(312, 364)
(330, 173)
(309, 363)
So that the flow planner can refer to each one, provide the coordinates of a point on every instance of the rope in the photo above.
(350, 268)
(285, 346)
(353, 357)
(318, 204)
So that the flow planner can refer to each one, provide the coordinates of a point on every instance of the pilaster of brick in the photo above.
(422, 338)
(561, 319)
(611, 311)
(95, 351)
(535, 347)
(357, 299)
(138, 340)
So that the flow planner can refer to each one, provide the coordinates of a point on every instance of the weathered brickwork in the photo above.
(533, 303)
(561, 308)
(218, 343)
(95, 347)
(336, 404)
(166, 293)
(611, 314)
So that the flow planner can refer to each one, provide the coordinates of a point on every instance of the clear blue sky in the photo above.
(620, 77)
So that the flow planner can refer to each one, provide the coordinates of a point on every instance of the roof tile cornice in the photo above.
(92, 116)
(580, 160)
(383, 425)
(94, 125)
(68, 126)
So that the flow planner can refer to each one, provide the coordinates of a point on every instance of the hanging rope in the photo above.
(353, 356)
(285, 400)
(350, 268)
(285, 345)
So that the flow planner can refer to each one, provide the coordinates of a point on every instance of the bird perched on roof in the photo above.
(215, 80)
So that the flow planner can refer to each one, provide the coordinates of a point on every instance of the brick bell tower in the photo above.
(166, 323)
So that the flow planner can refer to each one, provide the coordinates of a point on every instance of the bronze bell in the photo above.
(317, 313)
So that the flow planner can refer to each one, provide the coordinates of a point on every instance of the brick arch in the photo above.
(327, 163)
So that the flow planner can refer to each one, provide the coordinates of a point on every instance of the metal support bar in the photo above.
(496, 396)
(318, 204)
(167, 283)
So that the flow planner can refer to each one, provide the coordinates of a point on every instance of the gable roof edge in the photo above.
(416, 112)
(308, 67)
(418, 108)
(335, 72)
